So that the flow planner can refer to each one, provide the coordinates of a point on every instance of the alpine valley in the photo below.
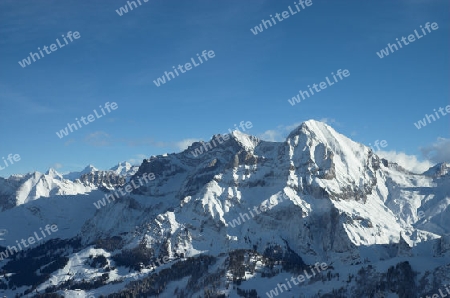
(193, 231)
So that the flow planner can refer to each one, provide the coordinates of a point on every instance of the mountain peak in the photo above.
(53, 173)
(121, 165)
(248, 142)
(124, 169)
(438, 170)
(89, 168)
(324, 134)
(317, 127)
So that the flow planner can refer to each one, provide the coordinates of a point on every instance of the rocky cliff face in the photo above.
(103, 179)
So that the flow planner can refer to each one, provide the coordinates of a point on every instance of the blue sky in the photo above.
(250, 78)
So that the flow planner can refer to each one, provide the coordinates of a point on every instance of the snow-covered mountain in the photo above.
(125, 169)
(20, 189)
(240, 220)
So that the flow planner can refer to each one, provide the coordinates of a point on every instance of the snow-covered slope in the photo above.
(21, 189)
(247, 215)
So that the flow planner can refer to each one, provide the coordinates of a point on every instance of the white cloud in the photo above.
(409, 162)
(271, 135)
(69, 141)
(432, 154)
(291, 127)
(57, 166)
(184, 144)
(98, 139)
(137, 159)
(278, 134)
(328, 121)
(438, 151)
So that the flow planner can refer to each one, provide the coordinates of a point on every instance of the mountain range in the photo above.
(244, 219)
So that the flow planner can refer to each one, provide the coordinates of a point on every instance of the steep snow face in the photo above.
(247, 142)
(359, 184)
(321, 154)
(435, 206)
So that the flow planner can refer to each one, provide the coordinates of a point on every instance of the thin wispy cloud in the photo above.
(69, 141)
(98, 139)
(137, 159)
(329, 121)
(56, 166)
(278, 134)
(409, 162)
(438, 151)
(184, 144)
